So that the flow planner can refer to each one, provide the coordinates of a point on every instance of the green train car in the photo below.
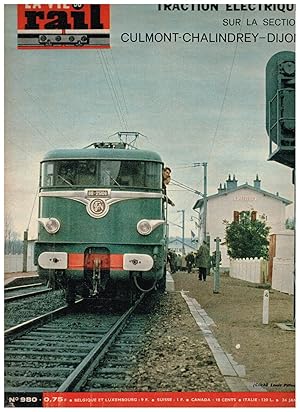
(102, 221)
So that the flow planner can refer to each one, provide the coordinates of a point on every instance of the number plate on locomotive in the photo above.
(98, 193)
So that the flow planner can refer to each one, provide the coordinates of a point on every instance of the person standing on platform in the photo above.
(203, 261)
(189, 261)
(183, 263)
(172, 257)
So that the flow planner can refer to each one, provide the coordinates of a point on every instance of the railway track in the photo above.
(73, 350)
(21, 292)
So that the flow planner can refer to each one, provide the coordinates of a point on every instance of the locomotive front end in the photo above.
(101, 221)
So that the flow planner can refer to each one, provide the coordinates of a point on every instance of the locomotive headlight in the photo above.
(144, 227)
(52, 225)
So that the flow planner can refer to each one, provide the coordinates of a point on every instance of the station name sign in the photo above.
(75, 26)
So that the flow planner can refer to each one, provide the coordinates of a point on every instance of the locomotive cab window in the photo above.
(130, 174)
(47, 174)
(109, 171)
(87, 173)
(102, 173)
(66, 173)
(138, 174)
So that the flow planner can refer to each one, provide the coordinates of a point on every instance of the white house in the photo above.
(230, 198)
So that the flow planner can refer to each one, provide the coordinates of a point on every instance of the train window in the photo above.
(109, 171)
(87, 173)
(140, 174)
(132, 174)
(47, 174)
(76, 172)
(153, 175)
(103, 173)
(66, 173)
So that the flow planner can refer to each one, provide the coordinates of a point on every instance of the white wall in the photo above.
(221, 208)
(283, 262)
(14, 263)
(283, 275)
(285, 244)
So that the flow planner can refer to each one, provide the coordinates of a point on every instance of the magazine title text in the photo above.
(226, 7)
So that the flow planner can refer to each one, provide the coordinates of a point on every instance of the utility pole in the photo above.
(204, 196)
(25, 250)
(182, 211)
(217, 267)
(199, 228)
(205, 199)
(197, 221)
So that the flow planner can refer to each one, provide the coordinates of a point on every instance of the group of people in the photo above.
(175, 261)
(200, 260)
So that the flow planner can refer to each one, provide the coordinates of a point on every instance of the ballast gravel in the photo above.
(175, 356)
(20, 311)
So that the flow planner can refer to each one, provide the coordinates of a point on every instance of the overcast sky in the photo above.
(194, 102)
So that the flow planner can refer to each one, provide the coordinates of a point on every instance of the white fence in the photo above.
(256, 271)
(283, 262)
(252, 270)
(14, 263)
(283, 275)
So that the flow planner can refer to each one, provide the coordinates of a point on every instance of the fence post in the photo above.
(217, 268)
(25, 250)
(266, 308)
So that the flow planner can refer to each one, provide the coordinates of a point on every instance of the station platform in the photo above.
(19, 278)
(170, 285)
(252, 355)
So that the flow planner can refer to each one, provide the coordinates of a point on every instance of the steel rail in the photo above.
(26, 295)
(18, 330)
(79, 375)
(15, 288)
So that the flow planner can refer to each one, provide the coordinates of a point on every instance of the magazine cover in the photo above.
(149, 205)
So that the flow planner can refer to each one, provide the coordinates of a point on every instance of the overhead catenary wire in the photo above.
(182, 167)
(149, 140)
(35, 128)
(105, 71)
(225, 93)
(119, 82)
(112, 89)
(186, 187)
(39, 105)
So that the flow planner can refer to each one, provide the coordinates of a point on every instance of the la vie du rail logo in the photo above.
(61, 26)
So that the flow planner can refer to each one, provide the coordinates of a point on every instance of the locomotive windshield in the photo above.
(101, 173)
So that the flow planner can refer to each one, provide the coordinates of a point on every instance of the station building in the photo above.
(231, 198)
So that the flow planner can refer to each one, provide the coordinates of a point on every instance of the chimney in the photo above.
(231, 183)
(221, 189)
(256, 182)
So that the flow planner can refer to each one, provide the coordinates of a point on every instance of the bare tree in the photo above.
(12, 242)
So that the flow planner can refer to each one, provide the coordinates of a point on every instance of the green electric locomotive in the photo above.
(102, 221)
